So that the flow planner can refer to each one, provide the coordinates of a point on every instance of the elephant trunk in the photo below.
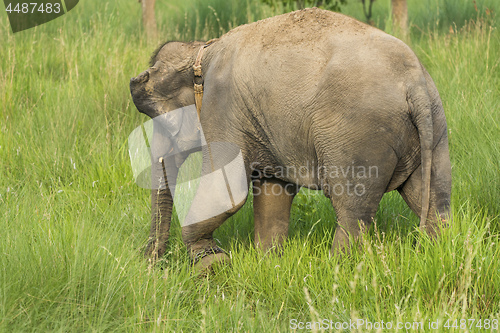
(161, 216)
(161, 208)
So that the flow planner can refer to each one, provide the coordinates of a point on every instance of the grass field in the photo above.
(73, 224)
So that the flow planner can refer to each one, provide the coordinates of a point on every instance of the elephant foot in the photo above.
(205, 265)
(341, 244)
(344, 242)
(203, 260)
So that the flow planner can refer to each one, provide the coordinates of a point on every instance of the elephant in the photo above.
(313, 99)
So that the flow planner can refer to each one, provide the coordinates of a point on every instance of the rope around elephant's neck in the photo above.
(198, 78)
(198, 96)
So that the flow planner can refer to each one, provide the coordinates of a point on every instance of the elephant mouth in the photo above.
(141, 91)
(147, 106)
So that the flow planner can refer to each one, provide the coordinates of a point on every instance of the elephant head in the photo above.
(166, 86)
(168, 83)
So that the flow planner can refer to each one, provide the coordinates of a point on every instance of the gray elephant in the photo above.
(312, 99)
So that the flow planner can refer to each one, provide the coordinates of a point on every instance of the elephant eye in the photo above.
(156, 66)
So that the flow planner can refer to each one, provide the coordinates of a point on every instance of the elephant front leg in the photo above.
(222, 191)
(201, 246)
(272, 201)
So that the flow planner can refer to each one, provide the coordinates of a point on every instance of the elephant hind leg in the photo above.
(272, 202)
(356, 201)
(440, 191)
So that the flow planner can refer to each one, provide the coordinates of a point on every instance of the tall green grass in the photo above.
(73, 224)
(425, 15)
(203, 20)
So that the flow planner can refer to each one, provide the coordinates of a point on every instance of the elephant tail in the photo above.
(420, 109)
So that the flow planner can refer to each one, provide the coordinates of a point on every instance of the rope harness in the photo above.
(198, 77)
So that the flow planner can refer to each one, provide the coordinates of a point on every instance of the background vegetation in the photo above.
(73, 224)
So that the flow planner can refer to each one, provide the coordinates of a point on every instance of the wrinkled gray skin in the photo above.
(308, 88)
